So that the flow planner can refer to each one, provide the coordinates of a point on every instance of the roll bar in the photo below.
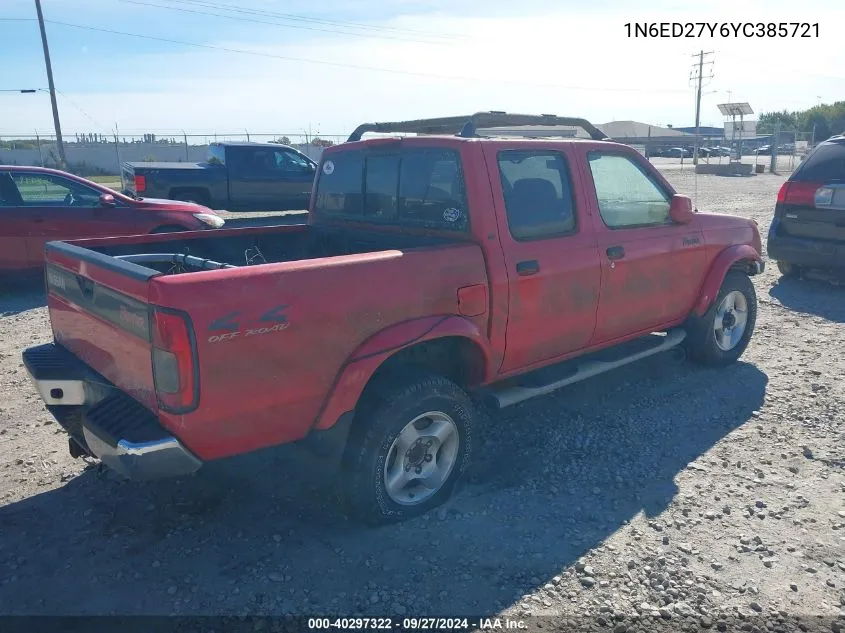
(468, 126)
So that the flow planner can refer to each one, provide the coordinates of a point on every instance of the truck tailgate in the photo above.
(106, 328)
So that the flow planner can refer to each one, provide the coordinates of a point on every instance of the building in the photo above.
(648, 138)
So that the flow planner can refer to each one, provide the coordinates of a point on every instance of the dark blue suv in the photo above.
(808, 230)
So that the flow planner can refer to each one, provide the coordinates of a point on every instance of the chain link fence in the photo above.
(94, 154)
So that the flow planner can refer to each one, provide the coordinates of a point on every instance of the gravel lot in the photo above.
(662, 494)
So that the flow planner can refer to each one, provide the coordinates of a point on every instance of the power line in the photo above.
(358, 66)
(284, 26)
(301, 18)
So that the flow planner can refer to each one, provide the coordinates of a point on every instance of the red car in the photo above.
(38, 205)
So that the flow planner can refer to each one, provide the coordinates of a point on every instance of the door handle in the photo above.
(528, 267)
(615, 252)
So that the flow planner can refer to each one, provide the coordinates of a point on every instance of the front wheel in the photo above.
(410, 442)
(720, 336)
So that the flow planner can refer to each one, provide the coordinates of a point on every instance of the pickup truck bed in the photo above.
(112, 314)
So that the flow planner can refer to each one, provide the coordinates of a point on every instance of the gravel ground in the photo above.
(662, 494)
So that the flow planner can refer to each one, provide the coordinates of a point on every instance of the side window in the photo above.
(627, 197)
(538, 194)
(294, 162)
(48, 190)
(380, 183)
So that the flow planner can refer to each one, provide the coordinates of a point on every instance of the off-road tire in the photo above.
(386, 408)
(700, 342)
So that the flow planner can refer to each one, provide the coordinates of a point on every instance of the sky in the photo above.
(286, 66)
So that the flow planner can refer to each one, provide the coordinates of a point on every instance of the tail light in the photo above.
(140, 184)
(175, 368)
(799, 193)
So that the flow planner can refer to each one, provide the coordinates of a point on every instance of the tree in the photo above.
(769, 120)
(320, 142)
(827, 119)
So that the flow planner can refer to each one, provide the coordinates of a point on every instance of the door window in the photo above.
(40, 190)
(538, 194)
(627, 197)
(291, 161)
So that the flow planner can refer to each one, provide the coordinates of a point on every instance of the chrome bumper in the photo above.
(158, 459)
(119, 431)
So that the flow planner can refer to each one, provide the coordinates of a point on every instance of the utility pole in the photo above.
(60, 144)
(773, 162)
(697, 76)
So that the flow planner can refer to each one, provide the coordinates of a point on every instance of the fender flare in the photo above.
(370, 355)
(718, 270)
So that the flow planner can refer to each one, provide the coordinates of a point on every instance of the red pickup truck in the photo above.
(438, 274)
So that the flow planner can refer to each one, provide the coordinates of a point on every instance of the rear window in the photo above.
(216, 155)
(414, 187)
(825, 164)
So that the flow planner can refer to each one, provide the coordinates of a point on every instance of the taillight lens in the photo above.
(174, 361)
(799, 193)
(140, 184)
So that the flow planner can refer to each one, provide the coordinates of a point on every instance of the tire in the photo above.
(702, 332)
(374, 447)
(788, 270)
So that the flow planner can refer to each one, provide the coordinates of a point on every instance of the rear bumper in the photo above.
(801, 251)
(104, 421)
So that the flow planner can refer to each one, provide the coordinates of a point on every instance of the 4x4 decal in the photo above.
(232, 323)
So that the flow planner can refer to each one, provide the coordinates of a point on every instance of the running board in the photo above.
(583, 370)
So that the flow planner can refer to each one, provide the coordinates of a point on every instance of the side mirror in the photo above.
(107, 200)
(680, 209)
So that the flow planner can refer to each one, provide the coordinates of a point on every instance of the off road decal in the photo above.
(231, 321)
(226, 322)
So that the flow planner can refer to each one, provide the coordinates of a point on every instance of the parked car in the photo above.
(38, 205)
(808, 228)
(677, 152)
(715, 151)
(436, 273)
(235, 177)
(763, 150)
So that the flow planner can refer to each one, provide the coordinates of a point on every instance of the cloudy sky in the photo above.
(282, 66)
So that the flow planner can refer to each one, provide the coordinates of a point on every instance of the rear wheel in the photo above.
(411, 441)
(787, 270)
(720, 336)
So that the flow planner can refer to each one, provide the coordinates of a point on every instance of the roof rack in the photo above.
(468, 126)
